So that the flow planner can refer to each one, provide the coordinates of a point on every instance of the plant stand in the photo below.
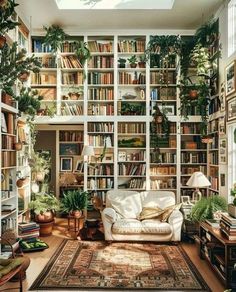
(75, 223)
(46, 228)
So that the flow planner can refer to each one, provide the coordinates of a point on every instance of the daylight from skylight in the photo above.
(115, 4)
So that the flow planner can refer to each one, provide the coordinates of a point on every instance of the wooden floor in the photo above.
(40, 259)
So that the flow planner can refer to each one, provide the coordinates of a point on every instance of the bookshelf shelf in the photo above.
(5, 215)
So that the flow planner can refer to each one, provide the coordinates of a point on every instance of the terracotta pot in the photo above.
(39, 176)
(193, 94)
(18, 146)
(232, 210)
(24, 76)
(45, 217)
(76, 213)
(206, 139)
(7, 98)
(2, 41)
(22, 182)
(133, 65)
(141, 64)
(46, 228)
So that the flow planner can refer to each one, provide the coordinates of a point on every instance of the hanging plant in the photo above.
(82, 52)
(55, 36)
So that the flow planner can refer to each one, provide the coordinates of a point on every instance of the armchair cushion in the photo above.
(128, 205)
(128, 226)
(155, 226)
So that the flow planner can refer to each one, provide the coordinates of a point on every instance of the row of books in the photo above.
(163, 170)
(214, 158)
(190, 128)
(131, 156)
(131, 46)
(8, 223)
(101, 62)
(132, 169)
(47, 61)
(70, 61)
(100, 140)
(214, 182)
(215, 142)
(163, 94)
(100, 183)
(72, 78)
(100, 109)
(68, 46)
(39, 47)
(214, 105)
(101, 94)
(137, 183)
(71, 136)
(103, 169)
(101, 127)
(162, 78)
(167, 157)
(28, 230)
(228, 226)
(72, 110)
(100, 78)
(131, 78)
(100, 46)
(158, 184)
(189, 157)
(8, 142)
(132, 128)
(44, 78)
(213, 126)
(190, 170)
(8, 159)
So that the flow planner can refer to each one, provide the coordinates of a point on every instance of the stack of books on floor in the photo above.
(228, 226)
(28, 230)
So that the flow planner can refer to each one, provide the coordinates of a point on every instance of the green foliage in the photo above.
(12, 64)
(7, 9)
(206, 207)
(39, 163)
(207, 33)
(54, 37)
(233, 194)
(82, 52)
(74, 200)
(133, 60)
(121, 60)
(28, 101)
(43, 203)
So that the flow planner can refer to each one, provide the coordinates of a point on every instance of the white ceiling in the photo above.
(186, 14)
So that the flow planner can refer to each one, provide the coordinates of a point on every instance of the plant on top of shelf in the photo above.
(142, 61)
(12, 64)
(121, 62)
(28, 101)
(205, 208)
(54, 37)
(40, 165)
(7, 9)
(82, 52)
(74, 202)
(133, 61)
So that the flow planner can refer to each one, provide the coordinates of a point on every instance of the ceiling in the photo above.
(186, 14)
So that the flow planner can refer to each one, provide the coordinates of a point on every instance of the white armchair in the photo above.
(121, 217)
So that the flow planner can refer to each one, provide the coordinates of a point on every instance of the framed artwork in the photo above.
(79, 166)
(109, 157)
(231, 109)
(222, 130)
(66, 163)
(168, 109)
(230, 79)
(69, 149)
(222, 97)
(3, 123)
(223, 152)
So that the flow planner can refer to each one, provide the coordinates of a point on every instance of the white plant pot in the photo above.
(232, 210)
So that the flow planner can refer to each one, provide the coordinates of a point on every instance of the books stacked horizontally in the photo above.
(228, 226)
(28, 230)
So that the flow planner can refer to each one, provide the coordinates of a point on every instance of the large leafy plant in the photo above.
(7, 9)
(74, 200)
(82, 52)
(54, 37)
(43, 203)
(39, 163)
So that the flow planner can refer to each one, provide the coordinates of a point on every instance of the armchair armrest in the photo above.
(109, 216)
(176, 221)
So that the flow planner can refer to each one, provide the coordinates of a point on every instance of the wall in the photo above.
(46, 140)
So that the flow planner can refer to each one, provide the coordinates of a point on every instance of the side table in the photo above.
(75, 223)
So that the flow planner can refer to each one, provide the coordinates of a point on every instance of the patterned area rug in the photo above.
(125, 266)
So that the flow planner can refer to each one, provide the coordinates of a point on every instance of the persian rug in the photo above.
(121, 266)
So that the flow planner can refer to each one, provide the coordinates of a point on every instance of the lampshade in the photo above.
(198, 180)
(88, 151)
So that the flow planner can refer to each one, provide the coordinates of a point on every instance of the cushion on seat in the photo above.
(128, 205)
(156, 226)
(128, 226)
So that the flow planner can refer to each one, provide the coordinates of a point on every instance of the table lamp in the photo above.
(198, 180)
(87, 153)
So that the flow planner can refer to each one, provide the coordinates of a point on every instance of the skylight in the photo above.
(115, 4)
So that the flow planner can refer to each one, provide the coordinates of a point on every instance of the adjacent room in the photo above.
(118, 145)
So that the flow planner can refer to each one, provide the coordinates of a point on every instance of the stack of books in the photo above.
(28, 230)
(228, 226)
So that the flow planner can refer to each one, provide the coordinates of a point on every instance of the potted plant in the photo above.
(44, 207)
(7, 9)
(82, 52)
(232, 206)
(121, 62)
(54, 37)
(133, 61)
(142, 61)
(40, 166)
(74, 202)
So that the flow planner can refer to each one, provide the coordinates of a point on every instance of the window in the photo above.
(231, 27)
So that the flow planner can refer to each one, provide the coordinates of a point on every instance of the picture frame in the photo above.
(222, 126)
(185, 200)
(69, 149)
(79, 166)
(231, 109)
(223, 151)
(109, 157)
(168, 109)
(230, 77)
(66, 163)
(222, 97)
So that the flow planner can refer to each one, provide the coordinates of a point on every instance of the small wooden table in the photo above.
(75, 223)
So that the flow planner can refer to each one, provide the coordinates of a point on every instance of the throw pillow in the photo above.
(157, 213)
(7, 265)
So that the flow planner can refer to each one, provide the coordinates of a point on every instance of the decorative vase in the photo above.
(18, 146)
(232, 210)
(2, 41)
(45, 228)
(45, 217)
(76, 213)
